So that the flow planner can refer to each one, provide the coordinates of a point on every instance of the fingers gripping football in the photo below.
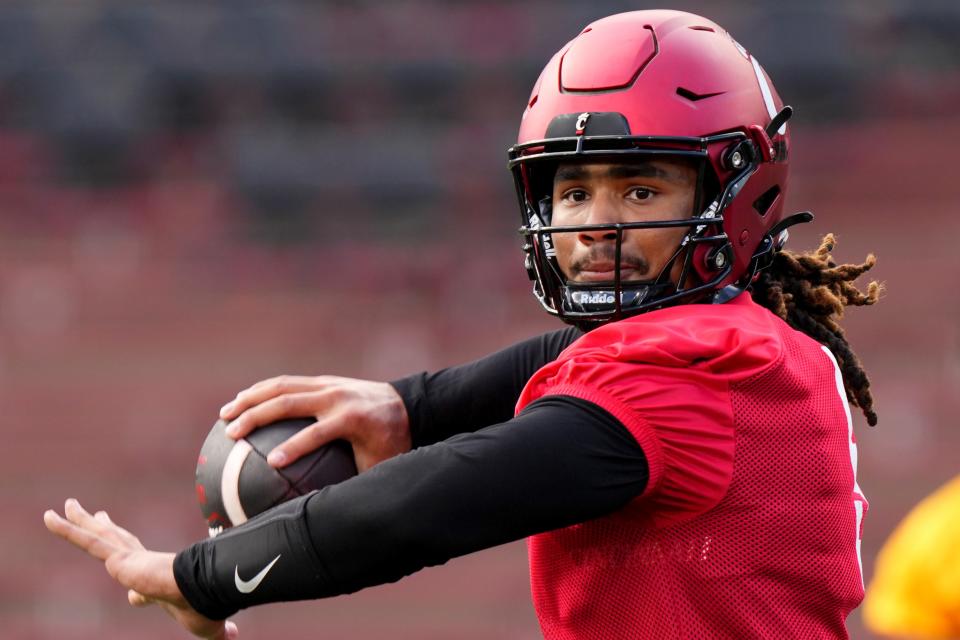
(369, 414)
(272, 388)
(306, 440)
(300, 404)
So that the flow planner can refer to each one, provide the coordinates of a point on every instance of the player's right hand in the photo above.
(148, 575)
(370, 415)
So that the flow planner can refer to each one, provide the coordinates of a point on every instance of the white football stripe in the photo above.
(838, 379)
(858, 505)
(767, 96)
(858, 497)
(230, 482)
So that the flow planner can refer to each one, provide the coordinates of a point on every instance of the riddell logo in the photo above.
(592, 297)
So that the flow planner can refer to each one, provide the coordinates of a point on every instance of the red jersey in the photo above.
(750, 523)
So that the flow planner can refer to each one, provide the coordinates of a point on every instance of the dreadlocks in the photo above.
(810, 291)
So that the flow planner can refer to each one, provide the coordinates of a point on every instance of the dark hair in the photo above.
(810, 292)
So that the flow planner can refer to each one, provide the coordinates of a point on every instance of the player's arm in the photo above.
(560, 462)
(477, 394)
(383, 419)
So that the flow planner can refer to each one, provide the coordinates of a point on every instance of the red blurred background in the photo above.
(196, 196)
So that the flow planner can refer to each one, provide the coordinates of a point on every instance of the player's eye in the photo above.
(640, 193)
(575, 195)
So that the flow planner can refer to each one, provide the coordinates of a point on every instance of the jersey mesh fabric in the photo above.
(772, 551)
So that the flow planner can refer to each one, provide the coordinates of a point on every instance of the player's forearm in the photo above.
(477, 394)
(561, 462)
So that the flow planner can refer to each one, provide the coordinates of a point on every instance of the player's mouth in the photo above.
(605, 272)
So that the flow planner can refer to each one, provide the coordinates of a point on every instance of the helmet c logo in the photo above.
(581, 122)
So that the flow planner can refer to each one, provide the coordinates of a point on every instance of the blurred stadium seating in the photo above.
(194, 196)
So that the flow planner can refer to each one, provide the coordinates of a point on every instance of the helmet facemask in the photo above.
(702, 254)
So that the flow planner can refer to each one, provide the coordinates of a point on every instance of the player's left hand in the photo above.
(148, 575)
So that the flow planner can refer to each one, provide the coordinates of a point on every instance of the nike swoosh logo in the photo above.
(248, 586)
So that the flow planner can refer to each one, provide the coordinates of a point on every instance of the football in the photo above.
(235, 483)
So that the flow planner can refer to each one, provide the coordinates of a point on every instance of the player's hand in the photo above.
(148, 575)
(370, 415)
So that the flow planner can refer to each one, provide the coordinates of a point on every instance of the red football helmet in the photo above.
(657, 83)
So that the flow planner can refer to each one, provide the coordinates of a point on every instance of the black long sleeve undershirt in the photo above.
(561, 461)
(477, 394)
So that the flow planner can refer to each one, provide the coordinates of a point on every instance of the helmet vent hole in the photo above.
(533, 100)
(692, 96)
(765, 201)
(702, 28)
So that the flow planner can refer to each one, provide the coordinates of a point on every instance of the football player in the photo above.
(915, 591)
(681, 458)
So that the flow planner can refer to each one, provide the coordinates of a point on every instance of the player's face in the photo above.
(592, 194)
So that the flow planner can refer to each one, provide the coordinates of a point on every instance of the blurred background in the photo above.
(196, 196)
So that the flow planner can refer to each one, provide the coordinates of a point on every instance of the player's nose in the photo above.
(603, 211)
